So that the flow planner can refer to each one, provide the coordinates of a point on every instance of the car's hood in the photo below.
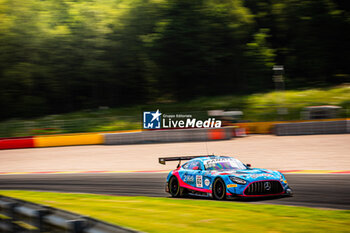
(254, 174)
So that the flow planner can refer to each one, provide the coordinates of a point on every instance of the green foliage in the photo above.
(256, 107)
(259, 58)
(61, 56)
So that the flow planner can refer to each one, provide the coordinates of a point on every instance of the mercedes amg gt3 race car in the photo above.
(222, 177)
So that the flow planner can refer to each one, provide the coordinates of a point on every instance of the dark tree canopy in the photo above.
(60, 56)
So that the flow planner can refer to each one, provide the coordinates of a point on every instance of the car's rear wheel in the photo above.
(219, 189)
(174, 187)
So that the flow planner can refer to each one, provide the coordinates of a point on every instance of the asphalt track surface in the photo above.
(313, 190)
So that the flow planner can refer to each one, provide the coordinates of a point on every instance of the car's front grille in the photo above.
(264, 188)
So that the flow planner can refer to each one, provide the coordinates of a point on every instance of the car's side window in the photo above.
(185, 166)
(201, 165)
(194, 165)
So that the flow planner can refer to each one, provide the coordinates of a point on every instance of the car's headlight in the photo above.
(283, 179)
(237, 180)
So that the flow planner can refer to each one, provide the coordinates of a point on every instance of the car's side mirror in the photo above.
(248, 165)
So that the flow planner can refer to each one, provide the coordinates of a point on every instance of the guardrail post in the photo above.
(10, 212)
(39, 223)
(77, 226)
(5, 225)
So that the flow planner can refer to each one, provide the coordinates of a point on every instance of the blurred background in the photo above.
(80, 66)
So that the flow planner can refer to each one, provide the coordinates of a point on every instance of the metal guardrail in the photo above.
(19, 216)
(167, 136)
(158, 136)
(315, 127)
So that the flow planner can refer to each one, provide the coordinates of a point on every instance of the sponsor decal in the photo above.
(157, 120)
(207, 182)
(211, 162)
(231, 186)
(261, 175)
(188, 178)
(199, 181)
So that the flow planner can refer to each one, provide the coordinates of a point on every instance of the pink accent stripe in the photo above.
(184, 185)
(261, 195)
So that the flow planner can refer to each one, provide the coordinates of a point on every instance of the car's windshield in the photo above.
(223, 164)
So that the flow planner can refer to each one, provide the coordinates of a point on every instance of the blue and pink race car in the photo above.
(222, 177)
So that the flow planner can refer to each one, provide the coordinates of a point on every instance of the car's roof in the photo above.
(205, 158)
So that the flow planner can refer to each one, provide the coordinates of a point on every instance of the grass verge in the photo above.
(150, 214)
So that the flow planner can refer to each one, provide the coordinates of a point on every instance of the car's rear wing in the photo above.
(163, 160)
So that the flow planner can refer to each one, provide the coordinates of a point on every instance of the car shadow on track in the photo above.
(257, 199)
(237, 199)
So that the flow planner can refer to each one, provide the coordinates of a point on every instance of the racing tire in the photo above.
(219, 189)
(174, 187)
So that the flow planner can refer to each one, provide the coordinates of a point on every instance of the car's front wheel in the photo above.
(219, 189)
(174, 187)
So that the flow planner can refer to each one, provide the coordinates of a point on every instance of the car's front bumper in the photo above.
(257, 188)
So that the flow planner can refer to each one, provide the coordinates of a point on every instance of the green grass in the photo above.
(256, 107)
(152, 214)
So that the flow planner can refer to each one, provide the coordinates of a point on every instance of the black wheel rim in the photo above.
(173, 186)
(219, 189)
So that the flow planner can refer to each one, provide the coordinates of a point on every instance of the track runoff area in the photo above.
(324, 190)
(134, 170)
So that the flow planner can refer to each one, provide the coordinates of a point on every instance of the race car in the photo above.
(222, 177)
